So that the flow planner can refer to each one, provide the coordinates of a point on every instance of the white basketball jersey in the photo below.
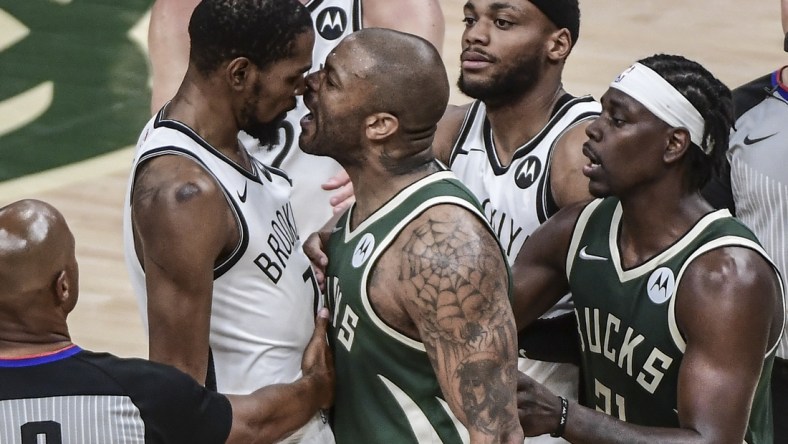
(517, 197)
(333, 20)
(264, 294)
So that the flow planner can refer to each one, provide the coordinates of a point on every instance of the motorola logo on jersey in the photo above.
(363, 250)
(527, 172)
(331, 23)
(660, 285)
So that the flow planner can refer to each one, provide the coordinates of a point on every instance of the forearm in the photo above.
(585, 425)
(275, 411)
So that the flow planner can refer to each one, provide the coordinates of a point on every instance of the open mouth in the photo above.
(593, 163)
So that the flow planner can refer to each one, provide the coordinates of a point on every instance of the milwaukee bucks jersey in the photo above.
(386, 388)
(632, 346)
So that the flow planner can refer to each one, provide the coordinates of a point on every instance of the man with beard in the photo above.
(518, 146)
(316, 191)
(210, 241)
(422, 330)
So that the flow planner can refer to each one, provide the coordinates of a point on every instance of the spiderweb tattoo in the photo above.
(460, 286)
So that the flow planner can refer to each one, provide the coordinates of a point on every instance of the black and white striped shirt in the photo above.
(80, 397)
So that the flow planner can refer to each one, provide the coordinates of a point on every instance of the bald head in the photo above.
(38, 270)
(407, 74)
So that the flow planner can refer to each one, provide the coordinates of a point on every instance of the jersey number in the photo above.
(605, 400)
(33, 431)
(289, 134)
(346, 331)
(309, 276)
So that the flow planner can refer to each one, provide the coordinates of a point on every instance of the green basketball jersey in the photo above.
(386, 390)
(632, 347)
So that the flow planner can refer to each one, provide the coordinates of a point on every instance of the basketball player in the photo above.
(518, 147)
(168, 39)
(333, 20)
(422, 328)
(53, 391)
(213, 251)
(755, 188)
(679, 308)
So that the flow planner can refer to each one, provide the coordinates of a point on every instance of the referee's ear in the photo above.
(64, 292)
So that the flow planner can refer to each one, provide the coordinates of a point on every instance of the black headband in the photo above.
(561, 14)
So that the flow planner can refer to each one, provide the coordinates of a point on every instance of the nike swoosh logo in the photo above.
(748, 141)
(590, 257)
(243, 196)
(335, 229)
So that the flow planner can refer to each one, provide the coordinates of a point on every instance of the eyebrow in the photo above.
(329, 69)
(496, 6)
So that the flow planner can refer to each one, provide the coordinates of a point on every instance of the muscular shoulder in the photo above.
(445, 251)
(448, 131)
(173, 197)
(172, 179)
(729, 284)
(567, 182)
(175, 186)
(447, 242)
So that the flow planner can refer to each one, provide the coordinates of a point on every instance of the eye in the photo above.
(503, 24)
(469, 21)
(617, 121)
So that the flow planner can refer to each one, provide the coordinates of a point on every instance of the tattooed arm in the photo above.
(448, 277)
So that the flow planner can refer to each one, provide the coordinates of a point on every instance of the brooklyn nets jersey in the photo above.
(758, 155)
(386, 390)
(333, 20)
(632, 347)
(516, 198)
(80, 397)
(264, 292)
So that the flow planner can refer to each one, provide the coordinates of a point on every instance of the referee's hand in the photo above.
(318, 362)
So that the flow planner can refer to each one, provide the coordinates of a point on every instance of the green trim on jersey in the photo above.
(386, 386)
(632, 347)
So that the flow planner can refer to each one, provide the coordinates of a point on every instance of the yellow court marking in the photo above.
(85, 171)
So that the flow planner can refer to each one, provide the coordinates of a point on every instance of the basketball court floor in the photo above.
(74, 95)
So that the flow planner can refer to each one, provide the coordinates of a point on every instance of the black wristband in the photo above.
(785, 43)
(559, 431)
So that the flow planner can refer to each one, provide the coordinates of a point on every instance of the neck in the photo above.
(374, 186)
(14, 348)
(650, 224)
(198, 106)
(517, 121)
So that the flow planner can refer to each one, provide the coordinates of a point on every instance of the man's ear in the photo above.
(678, 143)
(380, 126)
(559, 45)
(62, 287)
(239, 73)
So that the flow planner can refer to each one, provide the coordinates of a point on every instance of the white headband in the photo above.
(660, 97)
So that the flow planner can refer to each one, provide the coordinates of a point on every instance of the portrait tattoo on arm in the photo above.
(457, 275)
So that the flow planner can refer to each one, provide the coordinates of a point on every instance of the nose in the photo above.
(312, 81)
(300, 88)
(476, 33)
(593, 131)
